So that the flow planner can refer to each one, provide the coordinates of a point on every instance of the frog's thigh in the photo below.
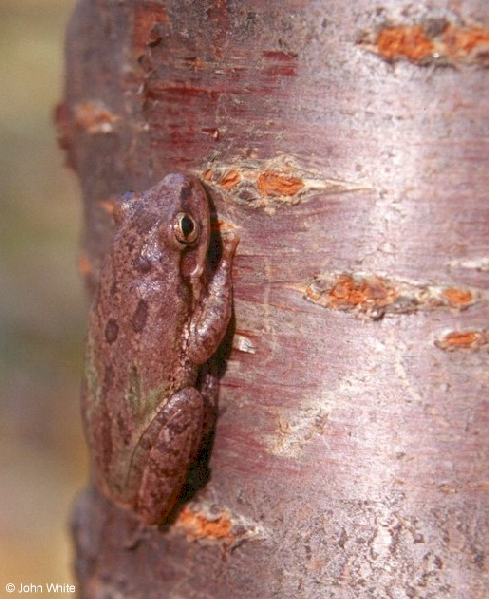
(179, 427)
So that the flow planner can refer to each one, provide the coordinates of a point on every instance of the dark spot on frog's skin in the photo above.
(140, 316)
(185, 193)
(111, 330)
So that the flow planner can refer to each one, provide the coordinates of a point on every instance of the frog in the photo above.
(156, 318)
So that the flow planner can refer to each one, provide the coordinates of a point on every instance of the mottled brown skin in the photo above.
(153, 322)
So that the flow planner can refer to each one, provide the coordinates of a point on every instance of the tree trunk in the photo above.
(348, 143)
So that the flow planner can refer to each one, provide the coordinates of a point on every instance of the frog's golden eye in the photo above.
(185, 229)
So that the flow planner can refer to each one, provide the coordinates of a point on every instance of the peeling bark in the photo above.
(348, 144)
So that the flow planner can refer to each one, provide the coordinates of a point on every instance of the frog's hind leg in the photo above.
(175, 436)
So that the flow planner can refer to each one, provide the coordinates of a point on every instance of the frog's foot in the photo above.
(174, 437)
(230, 241)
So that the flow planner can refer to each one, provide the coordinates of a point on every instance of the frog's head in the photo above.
(185, 228)
(169, 226)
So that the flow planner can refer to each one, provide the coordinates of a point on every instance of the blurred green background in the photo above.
(42, 304)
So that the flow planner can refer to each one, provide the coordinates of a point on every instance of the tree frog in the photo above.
(155, 319)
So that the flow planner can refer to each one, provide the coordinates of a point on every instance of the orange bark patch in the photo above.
(107, 205)
(267, 184)
(273, 183)
(93, 117)
(471, 340)
(376, 297)
(460, 43)
(84, 265)
(347, 291)
(230, 178)
(457, 297)
(198, 526)
(461, 339)
(410, 42)
(313, 294)
(425, 41)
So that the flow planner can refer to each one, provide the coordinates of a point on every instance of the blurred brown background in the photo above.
(42, 305)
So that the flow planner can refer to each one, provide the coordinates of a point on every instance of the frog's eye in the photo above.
(185, 229)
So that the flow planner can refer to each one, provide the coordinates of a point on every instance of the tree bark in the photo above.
(348, 143)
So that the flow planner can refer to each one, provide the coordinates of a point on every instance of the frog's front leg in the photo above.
(166, 450)
(210, 320)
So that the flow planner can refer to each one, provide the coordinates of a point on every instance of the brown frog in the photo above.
(154, 320)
